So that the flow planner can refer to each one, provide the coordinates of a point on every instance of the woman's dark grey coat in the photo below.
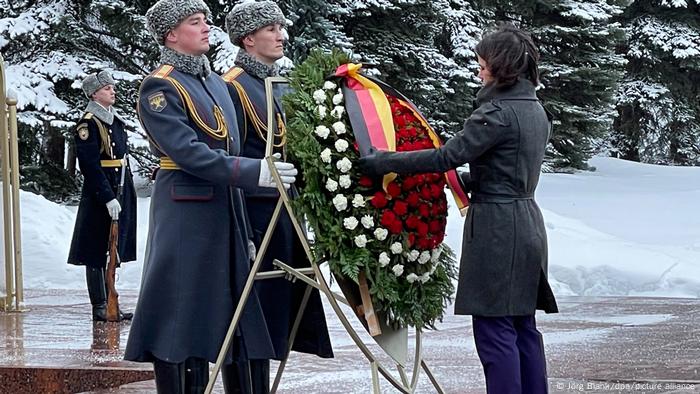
(504, 251)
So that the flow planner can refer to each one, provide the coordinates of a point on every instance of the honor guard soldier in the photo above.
(101, 147)
(256, 28)
(198, 257)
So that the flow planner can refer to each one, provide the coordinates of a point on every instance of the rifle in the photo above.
(113, 259)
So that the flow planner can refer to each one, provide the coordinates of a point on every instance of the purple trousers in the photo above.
(512, 353)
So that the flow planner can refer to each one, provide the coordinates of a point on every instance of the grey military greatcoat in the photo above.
(197, 257)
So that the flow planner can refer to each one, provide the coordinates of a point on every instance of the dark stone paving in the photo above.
(595, 345)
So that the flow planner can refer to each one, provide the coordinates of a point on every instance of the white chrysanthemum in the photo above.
(326, 155)
(381, 234)
(328, 85)
(412, 255)
(344, 181)
(398, 269)
(424, 257)
(322, 131)
(350, 223)
(361, 241)
(396, 248)
(337, 112)
(411, 278)
(319, 96)
(322, 111)
(384, 259)
(338, 99)
(358, 202)
(425, 277)
(344, 164)
(331, 185)
(367, 221)
(339, 127)
(341, 145)
(340, 202)
(435, 254)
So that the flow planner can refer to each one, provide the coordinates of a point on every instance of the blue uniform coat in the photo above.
(279, 298)
(197, 257)
(95, 140)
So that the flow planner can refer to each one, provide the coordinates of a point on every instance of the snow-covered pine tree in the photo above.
(420, 47)
(49, 46)
(658, 105)
(580, 70)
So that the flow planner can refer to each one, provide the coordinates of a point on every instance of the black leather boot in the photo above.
(189, 377)
(170, 377)
(252, 377)
(196, 375)
(97, 289)
(95, 278)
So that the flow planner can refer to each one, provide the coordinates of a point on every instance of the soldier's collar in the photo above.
(103, 113)
(255, 67)
(195, 65)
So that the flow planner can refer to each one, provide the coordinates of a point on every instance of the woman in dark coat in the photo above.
(503, 274)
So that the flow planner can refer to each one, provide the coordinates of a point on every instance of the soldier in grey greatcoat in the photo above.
(503, 274)
(101, 147)
(257, 28)
(197, 259)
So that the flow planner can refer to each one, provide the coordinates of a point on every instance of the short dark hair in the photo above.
(509, 53)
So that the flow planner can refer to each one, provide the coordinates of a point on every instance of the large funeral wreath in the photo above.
(392, 230)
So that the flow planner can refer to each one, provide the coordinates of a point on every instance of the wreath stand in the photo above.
(393, 342)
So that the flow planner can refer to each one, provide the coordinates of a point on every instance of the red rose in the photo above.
(422, 229)
(379, 200)
(438, 238)
(393, 189)
(435, 190)
(412, 221)
(413, 199)
(408, 183)
(424, 210)
(411, 239)
(435, 226)
(425, 192)
(400, 208)
(365, 181)
(387, 218)
(425, 244)
(396, 227)
(435, 210)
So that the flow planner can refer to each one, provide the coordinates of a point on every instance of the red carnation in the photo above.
(408, 183)
(413, 199)
(422, 229)
(400, 208)
(435, 210)
(435, 190)
(425, 244)
(425, 192)
(411, 239)
(365, 181)
(412, 221)
(387, 218)
(393, 189)
(435, 226)
(395, 227)
(424, 210)
(379, 200)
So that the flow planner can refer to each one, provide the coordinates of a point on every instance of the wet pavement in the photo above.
(595, 345)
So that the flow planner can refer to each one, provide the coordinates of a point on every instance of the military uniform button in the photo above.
(116, 169)
(113, 144)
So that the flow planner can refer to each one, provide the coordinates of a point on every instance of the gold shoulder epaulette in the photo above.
(88, 115)
(162, 71)
(232, 74)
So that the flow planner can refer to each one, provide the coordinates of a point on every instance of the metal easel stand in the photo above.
(313, 277)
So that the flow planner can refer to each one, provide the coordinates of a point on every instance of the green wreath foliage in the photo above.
(403, 303)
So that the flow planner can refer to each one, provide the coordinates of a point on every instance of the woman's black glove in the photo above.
(375, 163)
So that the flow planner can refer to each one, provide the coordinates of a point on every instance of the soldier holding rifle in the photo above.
(101, 147)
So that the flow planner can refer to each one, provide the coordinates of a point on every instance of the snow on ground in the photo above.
(624, 229)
